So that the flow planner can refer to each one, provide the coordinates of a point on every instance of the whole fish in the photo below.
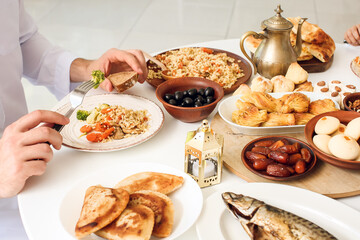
(262, 221)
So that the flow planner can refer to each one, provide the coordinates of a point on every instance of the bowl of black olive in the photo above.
(189, 99)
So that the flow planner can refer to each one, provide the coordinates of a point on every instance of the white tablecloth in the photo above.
(167, 147)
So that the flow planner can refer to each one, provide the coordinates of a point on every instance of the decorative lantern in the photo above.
(203, 152)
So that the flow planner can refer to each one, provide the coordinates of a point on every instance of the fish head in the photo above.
(243, 207)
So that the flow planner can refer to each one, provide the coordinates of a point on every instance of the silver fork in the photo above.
(76, 98)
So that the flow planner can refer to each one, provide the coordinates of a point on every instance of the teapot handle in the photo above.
(247, 34)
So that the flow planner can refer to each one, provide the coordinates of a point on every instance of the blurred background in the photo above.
(88, 28)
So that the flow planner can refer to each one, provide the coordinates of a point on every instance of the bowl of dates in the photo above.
(189, 99)
(278, 158)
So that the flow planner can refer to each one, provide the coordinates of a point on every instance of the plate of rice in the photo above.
(226, 68)
(113, 122)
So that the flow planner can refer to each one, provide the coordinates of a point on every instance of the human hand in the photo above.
(352, 35)
(115, 60)
(24, 149)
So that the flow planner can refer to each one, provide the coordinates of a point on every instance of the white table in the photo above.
(167, 147)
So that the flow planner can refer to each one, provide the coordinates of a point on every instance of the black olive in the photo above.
(179, 95)
(188, 102)
(209, 99)
(201, 91)
(183, 104)
(200, 99)
(209, 91)
(186, 93)
(172, 102)
(168, 96)
(198, 104)
(192, 92)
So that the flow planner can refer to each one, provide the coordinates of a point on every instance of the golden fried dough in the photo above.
(101, 206)
(160, 182)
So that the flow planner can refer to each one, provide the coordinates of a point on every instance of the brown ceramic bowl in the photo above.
(350, 98)
(263, 173)
(345, 117)
(189, 114)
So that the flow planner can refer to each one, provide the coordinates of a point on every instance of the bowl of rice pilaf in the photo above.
(225, 68)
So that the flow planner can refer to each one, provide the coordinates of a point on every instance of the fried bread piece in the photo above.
(162, 207)
(135, 223)
(123, 80)
(294, 102)
(311, 33)
(101, 206)
(160, 182)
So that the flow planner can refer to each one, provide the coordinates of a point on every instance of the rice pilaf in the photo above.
(200, 62)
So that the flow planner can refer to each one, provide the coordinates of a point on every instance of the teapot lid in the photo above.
(277, 22)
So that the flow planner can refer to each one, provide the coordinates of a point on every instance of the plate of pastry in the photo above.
(131, 201)
(257, 113)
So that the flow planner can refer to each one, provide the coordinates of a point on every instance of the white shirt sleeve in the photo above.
(43, 63)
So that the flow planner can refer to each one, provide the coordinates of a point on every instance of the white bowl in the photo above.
(228, 106)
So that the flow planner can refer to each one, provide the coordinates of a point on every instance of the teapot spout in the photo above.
(298, 45)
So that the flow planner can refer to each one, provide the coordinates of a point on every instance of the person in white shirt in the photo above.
(24, 52)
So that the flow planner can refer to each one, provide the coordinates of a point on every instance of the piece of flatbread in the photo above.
(252, 43)
(296, 73)
(304, 55)
(160, 182)
(123, 80)
(101, 206)
(310, 33)
(162, 207)
(135, 223)
(323, 51)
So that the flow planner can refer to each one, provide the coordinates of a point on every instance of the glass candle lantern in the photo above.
(203, 152)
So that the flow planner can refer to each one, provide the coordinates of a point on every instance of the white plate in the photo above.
(71, 132)
(216, 222)
(228, 106)
(187, 209)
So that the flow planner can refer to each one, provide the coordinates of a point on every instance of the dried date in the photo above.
(278, 170)
(261, 164)
(262, 150)
(252, 156)
(265, 143)
(306, 155)
(278, 156)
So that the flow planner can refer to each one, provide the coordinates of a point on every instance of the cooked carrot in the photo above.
(108, 118)
(86, 129)
(207, 50)
(94, 137)
(107, 133)
(100, 127)
(106, 110)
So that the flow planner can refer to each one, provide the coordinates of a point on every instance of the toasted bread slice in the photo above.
(134, 223)
(123, 80)
(101, 206)
(160, 182)
(162, 207)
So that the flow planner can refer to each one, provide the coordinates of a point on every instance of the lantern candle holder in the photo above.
(203, 155)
